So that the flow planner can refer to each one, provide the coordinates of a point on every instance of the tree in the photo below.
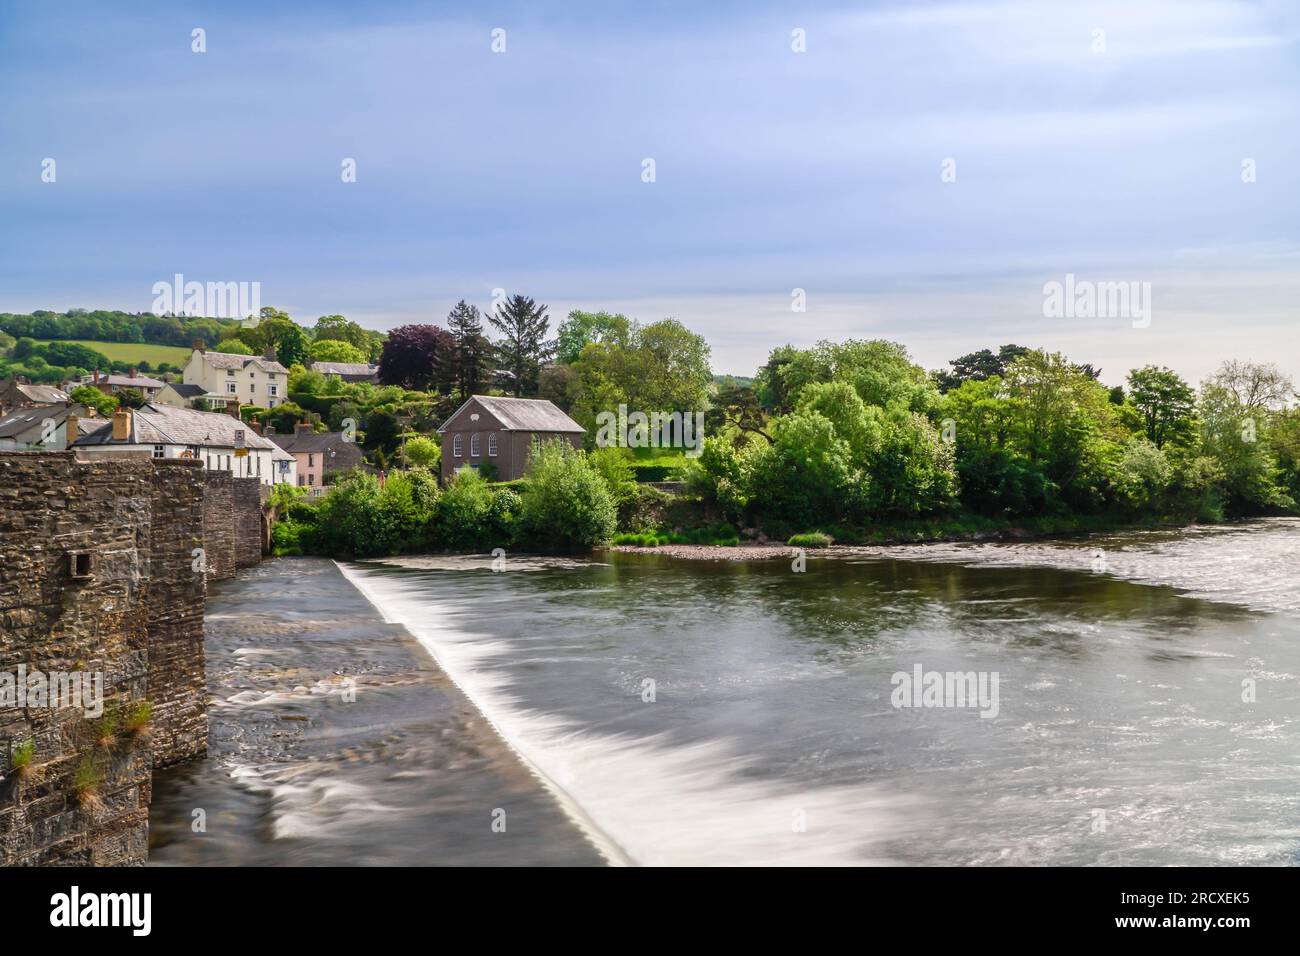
(1166, 403)
(423, 451)
(336, 328)
(335, 350)
(417, 357)
(807, 476)
(737, 406)
(1255, 387)
(566, 502)
(130, 398)
(881, 372)
(92, 397)
(977, 366)
(523, 325)
(233, 347)
(472, 350)
(582, 328)
(290, 343)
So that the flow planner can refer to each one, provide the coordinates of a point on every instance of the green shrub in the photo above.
(464, 516)
(811, 539)
(615, 467)
(567, 502)
(503, 516)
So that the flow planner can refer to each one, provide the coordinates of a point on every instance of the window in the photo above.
(492, 445)
(231, 388)
(311, 479)
(473, 445)
(227, 463)
(81, 564)
(455, 446)
(273, 389)
(252, 387)
(159, 451)
(311, 459)
(230, 372)
(302, 479)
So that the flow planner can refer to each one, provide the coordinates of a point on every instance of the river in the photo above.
(704, 712)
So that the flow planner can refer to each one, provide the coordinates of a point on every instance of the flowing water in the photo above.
(677, 711)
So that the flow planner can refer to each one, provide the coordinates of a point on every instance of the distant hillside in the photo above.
(744, 381)
(134, 353)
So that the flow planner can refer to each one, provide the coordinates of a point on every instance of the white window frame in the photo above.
(232, 388)
(273, 390)
(455, 446)
(474, 447)
(492, 445)
(159, 451)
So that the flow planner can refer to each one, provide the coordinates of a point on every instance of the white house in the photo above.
(221, 442)
(252, 379)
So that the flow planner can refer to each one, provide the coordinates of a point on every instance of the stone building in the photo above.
(496, 434)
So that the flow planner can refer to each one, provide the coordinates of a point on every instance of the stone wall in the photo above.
(247, 499)
(177, 593)
(232, 523)
(101, 573)
(218, 524)
(51, 507)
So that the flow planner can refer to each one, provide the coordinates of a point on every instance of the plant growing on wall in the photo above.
(86, 783)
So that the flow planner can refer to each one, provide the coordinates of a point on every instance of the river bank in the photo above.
(335, 739)
(920, 533)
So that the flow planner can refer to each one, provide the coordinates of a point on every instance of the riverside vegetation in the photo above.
(845, 441)
(852, 442)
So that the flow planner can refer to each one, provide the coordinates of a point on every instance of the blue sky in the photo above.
(775, 170)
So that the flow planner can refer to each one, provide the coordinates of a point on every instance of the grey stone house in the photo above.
(490, 430)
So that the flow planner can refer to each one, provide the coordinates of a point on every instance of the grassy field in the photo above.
(136, 352)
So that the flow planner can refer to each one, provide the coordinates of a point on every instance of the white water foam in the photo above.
(643, 800)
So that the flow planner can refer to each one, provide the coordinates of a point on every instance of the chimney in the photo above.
(134, 373)
(232, 409)
(69, 431)
(256, 427)
(96, 379)
(200, 345)
(122, 424)
(269, 354)
(301, 427)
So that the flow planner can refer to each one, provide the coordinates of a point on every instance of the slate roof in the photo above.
(229, 360)
(521, 414)
(19, 421)
(300, 443)
(127, 381)
(358, 369)
(186, 390)
(24, 419)
(44, 394)
(156, 424)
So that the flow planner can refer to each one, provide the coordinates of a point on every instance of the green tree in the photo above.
(423, 451)
(335, 350)
(92, 397)
(566, 502)
(472, 350)
(523, 347)
(582, 328)
(1167, 405)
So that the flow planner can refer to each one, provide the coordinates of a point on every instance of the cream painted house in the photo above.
(252, 379)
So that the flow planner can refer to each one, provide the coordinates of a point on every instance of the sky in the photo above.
(919, 170)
